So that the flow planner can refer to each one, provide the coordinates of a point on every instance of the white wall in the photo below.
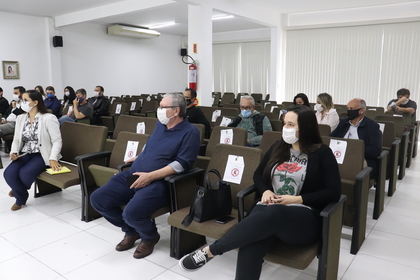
(24, 39)
(121, 65)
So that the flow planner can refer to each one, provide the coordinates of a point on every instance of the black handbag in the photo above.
(210, 203)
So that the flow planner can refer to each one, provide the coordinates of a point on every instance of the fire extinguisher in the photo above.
(192, 73)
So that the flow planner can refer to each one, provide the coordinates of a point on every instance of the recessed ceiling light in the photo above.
(217, 17)
(164, 24)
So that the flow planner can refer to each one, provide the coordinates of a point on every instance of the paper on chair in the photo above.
(339, 148)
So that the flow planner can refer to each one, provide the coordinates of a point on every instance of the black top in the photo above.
(4, 104)
(195, 115)
(410, 104)
(100, 105)
(368, 131)
(322, 183)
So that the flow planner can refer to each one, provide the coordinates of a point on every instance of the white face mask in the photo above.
(66, 93)
(25, 106)
(161, 114)
(289, 135)
(95, 93)
(16, 97)
(405, 103)
(318, 107)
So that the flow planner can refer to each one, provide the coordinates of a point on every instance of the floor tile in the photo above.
(26, 267)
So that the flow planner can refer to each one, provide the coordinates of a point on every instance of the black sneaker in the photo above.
(194, 260)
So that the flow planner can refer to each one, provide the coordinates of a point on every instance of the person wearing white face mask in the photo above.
(252, 121)
(100, 105)
(172, 148)
(296, 179)
(9, 118)
(325, 113)
(403, 104)
(36, 144)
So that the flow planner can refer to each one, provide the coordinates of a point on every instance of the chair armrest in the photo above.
(97, 155)
(241, 200)
(123, 166)
(333, 207)
(181, 186)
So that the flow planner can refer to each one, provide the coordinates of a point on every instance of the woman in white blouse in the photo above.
(36, 144)
(325, 113)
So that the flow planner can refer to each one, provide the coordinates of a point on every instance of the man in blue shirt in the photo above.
(172, 148)
(51, 102)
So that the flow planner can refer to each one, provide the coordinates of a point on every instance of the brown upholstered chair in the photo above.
(184, 240)
(78, 139)
(355, 185)
(97, 168)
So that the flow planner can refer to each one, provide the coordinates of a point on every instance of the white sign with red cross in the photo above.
(226, 136)
(234, 169)
(339, 148)
(141, 128)
(131, 150)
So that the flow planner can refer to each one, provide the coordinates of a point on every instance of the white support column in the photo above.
(278, 63)
(200, 32)
(54, 59)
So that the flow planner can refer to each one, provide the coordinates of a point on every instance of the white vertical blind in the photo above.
(241, 67)
(370, 62)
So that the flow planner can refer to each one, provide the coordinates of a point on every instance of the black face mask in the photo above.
(352, 114)
(188, 102)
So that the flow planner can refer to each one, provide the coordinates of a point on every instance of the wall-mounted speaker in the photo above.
(184, 52)
(57, 41)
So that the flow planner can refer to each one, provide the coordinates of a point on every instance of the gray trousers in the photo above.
(7, 128)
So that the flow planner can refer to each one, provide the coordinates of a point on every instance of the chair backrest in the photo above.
(202, 130)
(268, 139)
(79, 139)
(252, 158)
(408, 119)
(240, 137)
(353, 159)
(324, 129)
(208, 112)
(287, 104)
(388, 136)
(118, 108)
(276, 125)
(398, 121)
(257, 97)
(228, 97)
(120, 147)
(149, 106)
(129, 123)
(379, 110)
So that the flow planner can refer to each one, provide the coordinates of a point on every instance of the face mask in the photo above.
(246, 113)
(352, 114)
(188, 102)
(81, 99)
(289, 135)
(16, 97)
(318, 107)
(95, 93)
(405, 103)
(49, 95)
(161, 114)
(66, 93)
(25, 106)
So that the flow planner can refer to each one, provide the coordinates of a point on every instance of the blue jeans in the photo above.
(65, 119)
(21, 173)
(141, 203)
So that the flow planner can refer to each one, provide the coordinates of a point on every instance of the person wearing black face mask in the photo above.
(358, 126)
(81, 108)
(194, 114)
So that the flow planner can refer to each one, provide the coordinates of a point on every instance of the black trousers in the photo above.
(255, 235)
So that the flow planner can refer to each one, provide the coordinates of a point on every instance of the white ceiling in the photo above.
(178, 11)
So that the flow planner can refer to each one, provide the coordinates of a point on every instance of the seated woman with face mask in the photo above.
(325, 113)
(36, 144)
(296, 179)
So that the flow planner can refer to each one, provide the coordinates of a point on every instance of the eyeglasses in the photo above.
(246, 108)
(167, 107)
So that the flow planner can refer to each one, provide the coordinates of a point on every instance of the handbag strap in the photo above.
(189, 218)
(215, 171)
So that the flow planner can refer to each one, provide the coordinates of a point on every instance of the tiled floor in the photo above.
(46, 240)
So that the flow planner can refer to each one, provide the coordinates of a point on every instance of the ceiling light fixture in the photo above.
(132, 31)
(217, 17)
(164, 24)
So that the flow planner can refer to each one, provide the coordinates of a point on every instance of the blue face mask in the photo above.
(50, 95)
(246, 113)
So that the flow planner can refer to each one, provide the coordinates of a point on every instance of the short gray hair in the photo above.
(362, 103)
(178, 100)
(249, 98)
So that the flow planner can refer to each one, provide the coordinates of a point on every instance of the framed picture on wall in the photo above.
(11, 70)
